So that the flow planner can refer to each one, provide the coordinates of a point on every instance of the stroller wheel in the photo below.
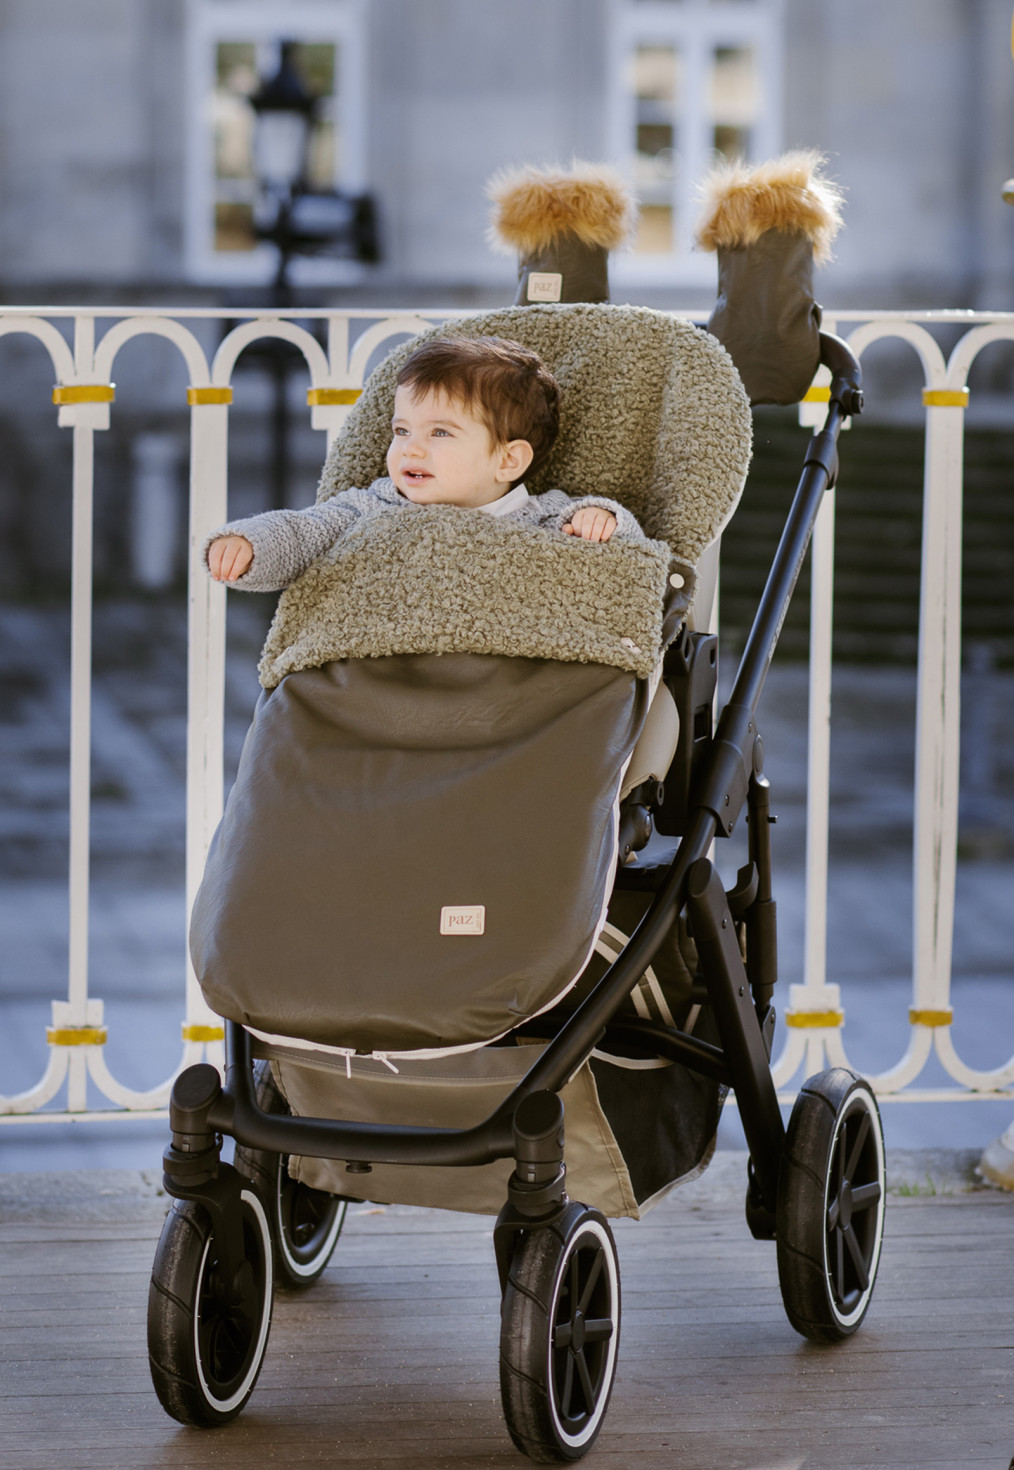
(205, 1344)
(559, 1334)
(305, 1223)
(831, 1198)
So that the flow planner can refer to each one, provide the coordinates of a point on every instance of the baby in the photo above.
(472, 416)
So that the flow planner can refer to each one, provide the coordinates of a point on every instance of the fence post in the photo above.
(938, 701)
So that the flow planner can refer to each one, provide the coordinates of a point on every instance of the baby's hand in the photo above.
(592, 523)
(229, 557)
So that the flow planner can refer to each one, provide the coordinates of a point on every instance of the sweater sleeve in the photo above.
(285, 542)
(556, 509)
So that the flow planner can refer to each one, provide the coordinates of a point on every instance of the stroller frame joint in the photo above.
(193, 1167)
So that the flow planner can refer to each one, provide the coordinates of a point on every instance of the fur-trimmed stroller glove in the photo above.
(562, 223)
(769, 224)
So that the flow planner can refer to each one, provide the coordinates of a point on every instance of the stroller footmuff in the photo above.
(447, 828)
(456, 970)
(419, 846)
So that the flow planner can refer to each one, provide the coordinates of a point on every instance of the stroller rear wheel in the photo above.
(206, 1342)
(830, 1217)
(305, 1223)
(559, 1335)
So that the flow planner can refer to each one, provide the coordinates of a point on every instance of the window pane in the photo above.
(655, 229)
(234, 226)
(734, 99)
(657, 87)
(318, 64)
(655, 75)
(236, 79)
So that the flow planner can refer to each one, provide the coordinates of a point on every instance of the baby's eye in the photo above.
(441, 433)
(399, 429)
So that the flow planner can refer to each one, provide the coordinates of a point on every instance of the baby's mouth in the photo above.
(417, 476)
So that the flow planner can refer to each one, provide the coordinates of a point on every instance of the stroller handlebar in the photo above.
(846, 374)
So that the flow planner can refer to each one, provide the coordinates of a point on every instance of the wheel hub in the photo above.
(845, 1204)
(577, 1332)
(244, 1286)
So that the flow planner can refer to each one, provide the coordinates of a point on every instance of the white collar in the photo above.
(508, 503)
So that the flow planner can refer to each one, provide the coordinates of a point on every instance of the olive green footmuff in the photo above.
(417, 849)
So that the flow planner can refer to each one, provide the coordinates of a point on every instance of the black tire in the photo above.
(831, 1199)
(205, 1352)
(305, 1223)
(559, 1335)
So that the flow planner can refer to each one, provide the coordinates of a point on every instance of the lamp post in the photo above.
(297, 218)
(285, 112)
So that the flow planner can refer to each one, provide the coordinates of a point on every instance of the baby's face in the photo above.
(441, 454)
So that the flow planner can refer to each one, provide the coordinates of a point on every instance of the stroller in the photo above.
(491, 918)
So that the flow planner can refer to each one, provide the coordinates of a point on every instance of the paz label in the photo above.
(468, 920)
(545, 286)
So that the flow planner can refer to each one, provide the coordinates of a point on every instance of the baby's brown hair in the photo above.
(508, 387)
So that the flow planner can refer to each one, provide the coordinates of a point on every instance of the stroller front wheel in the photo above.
(831, 1197)
(305, 1222)
(559, 1335)
(206, 1336)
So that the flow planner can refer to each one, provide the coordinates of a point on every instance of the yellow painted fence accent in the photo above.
(84, 392)
(930, 1018)
(322, 397)
(202, 1033)
(208, 395)
(806, 1019)
(76, 1035)
(945, 397)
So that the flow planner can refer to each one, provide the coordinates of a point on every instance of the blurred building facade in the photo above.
(129, 176)
(126, 159)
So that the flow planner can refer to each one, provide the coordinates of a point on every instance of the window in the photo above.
(233, 46)
(694, 81)
(657, 83)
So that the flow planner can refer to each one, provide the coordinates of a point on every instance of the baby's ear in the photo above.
(515, 457)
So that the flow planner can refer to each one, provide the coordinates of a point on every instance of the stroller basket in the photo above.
(687, 995)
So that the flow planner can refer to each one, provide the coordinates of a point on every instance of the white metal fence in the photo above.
(83, 365)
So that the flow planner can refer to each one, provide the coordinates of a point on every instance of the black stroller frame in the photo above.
(818, 1191)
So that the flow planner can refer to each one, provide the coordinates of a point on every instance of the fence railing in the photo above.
(83, 367)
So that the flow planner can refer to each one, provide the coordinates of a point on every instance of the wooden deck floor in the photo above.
(391, 1360)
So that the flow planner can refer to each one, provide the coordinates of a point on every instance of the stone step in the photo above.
(878, 536)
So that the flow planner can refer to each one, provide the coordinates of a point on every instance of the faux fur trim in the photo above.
(446, 580)
(788, 193)
(533, 207)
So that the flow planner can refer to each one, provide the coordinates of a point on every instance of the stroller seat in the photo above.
(418, 852)
(656, 745)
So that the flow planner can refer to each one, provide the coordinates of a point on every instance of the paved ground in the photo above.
(138, 919)
(391, 1359)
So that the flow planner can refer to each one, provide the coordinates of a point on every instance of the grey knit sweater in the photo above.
(287, 542)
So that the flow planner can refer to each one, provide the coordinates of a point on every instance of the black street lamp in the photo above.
(296, 218)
